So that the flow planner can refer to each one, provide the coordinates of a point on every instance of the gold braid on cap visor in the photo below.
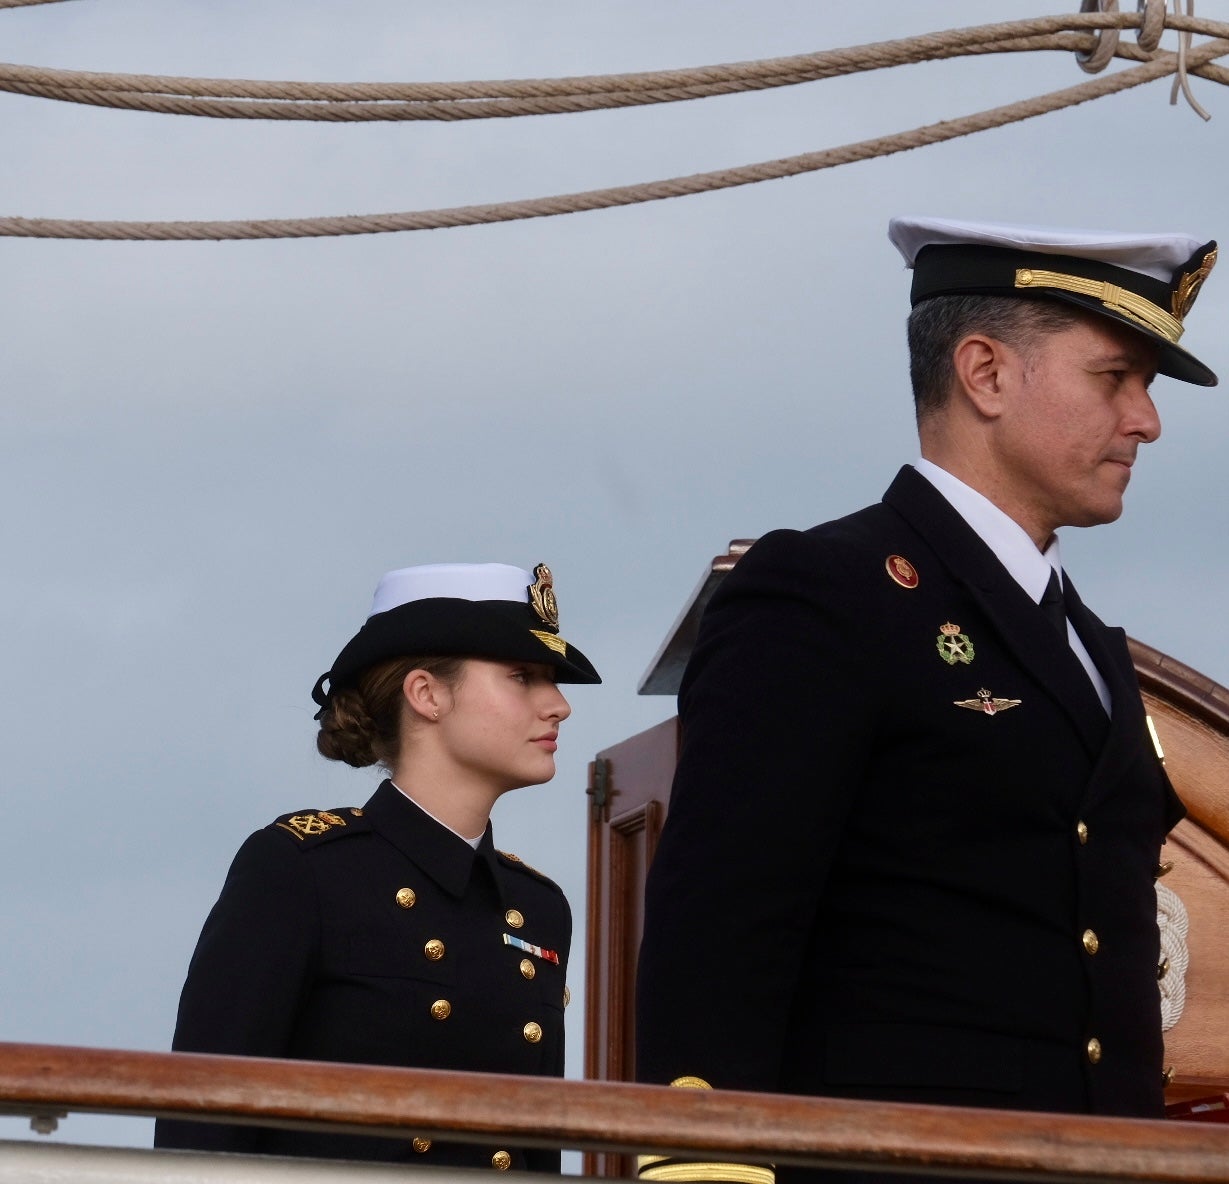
(1116, 298)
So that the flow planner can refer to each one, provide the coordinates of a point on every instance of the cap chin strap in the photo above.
(320, 696)
(1114, 297)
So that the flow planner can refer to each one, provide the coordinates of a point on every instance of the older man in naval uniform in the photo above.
(917, 817)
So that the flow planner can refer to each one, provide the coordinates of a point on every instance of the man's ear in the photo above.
(984, 367)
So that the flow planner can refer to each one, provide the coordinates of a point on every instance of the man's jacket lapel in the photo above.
(1022, 627)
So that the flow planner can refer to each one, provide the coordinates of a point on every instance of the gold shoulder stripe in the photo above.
(527, 866)
(690, 1083)
(674, 1171)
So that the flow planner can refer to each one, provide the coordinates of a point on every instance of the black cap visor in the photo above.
(501, 630)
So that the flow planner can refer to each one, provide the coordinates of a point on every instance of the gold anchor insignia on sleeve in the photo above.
(304, 825)
(986, 702)
(954, 646)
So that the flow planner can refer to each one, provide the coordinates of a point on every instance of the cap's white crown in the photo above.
(1156, 255)
(459, 581)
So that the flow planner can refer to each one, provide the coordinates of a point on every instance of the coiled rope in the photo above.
(232, 98)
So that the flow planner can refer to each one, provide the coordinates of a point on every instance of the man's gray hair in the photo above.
(937, 325)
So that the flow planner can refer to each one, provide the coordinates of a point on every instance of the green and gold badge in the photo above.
(954, 646)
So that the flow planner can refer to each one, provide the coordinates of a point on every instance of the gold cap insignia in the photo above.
(542, 595)
(1190, 283)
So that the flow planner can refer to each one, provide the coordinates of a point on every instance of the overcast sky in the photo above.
(210, 452)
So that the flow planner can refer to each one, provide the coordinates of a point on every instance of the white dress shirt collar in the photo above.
(472, 842)
(1004, 536)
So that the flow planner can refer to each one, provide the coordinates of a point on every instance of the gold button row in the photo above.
(501, 1161)
(406, 898)
(441, 1009)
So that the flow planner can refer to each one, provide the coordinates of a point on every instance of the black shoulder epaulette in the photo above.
(516, 861)
(319, 826)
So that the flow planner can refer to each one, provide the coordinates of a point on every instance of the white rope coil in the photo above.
(1172, 920)
(1094, 61)
(1149, 35)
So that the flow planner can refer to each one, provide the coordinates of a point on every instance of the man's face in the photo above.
(1075, 411)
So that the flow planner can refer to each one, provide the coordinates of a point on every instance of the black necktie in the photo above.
(1052, 605)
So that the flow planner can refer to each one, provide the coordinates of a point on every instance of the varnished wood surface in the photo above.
(623, 835)
(1191, 715)
(524, 1111)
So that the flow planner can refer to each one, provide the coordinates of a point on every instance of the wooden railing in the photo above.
(527, 1111)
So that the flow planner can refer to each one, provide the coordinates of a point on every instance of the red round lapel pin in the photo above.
(902, 571)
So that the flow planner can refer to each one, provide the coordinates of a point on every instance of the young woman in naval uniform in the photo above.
(396, 933)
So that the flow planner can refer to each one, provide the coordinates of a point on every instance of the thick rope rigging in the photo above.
(1085, 33)
(418, 100)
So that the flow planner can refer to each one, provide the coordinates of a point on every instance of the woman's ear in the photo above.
(984, 367)
(423, 694)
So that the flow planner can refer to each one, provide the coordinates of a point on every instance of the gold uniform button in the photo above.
(434, 949)
(1081, 832)
(1165, 868)
(1167, 1077)
(421, 1145)
(514, 918)
(533, 1032)
(441, 1009)
(501, 1161)
(1162, 970)
(358, 813)
(527, 968)
(1092, 943)
(406, 897)
(1093, 1048)
(567, 996)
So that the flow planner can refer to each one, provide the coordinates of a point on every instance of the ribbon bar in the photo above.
(529, 948)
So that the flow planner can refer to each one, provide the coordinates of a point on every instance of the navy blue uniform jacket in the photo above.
(865, 890)
(316, 951)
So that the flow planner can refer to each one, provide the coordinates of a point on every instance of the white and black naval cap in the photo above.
(471, 610)
(1146, 281)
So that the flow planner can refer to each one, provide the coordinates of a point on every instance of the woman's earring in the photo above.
(437, 715)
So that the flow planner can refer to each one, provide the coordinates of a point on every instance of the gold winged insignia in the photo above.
(987, 703)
